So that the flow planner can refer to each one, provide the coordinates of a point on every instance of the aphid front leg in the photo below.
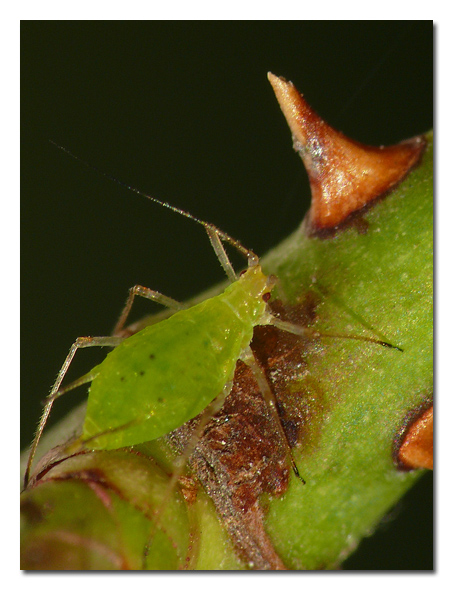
(147, 294)
(55, 392)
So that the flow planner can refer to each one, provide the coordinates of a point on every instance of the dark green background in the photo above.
(183, 110)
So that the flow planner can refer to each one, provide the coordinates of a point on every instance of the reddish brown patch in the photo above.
(344, 174)
(414, 449)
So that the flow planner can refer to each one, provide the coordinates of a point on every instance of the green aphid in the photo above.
(161, 377)
(169, 372)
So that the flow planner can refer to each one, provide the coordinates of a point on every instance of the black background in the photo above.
(184, 111)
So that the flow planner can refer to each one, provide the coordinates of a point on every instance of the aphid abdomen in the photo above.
(160, 378)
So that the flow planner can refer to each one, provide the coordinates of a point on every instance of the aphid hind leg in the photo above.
(269, 397)
(147, 294)
(55, 392)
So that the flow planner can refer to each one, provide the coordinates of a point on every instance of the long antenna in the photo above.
(223, 236)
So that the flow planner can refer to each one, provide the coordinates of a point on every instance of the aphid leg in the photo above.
(216, 238)
(147, 294)
(181, 461)
(269, 397)
(219, 250)
(84, 443)
(55, 392)
(87, 378)
(309, 332)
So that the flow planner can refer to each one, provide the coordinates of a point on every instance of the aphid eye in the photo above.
(266, 297)
(242, 272)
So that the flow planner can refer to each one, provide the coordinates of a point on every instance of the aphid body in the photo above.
(169, 372)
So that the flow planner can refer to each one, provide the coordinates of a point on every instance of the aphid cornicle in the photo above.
(169, 372)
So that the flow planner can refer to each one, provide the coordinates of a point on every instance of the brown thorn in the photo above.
(344, 174)
(416, 450)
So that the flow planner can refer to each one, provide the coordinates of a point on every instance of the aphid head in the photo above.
(256, 283)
